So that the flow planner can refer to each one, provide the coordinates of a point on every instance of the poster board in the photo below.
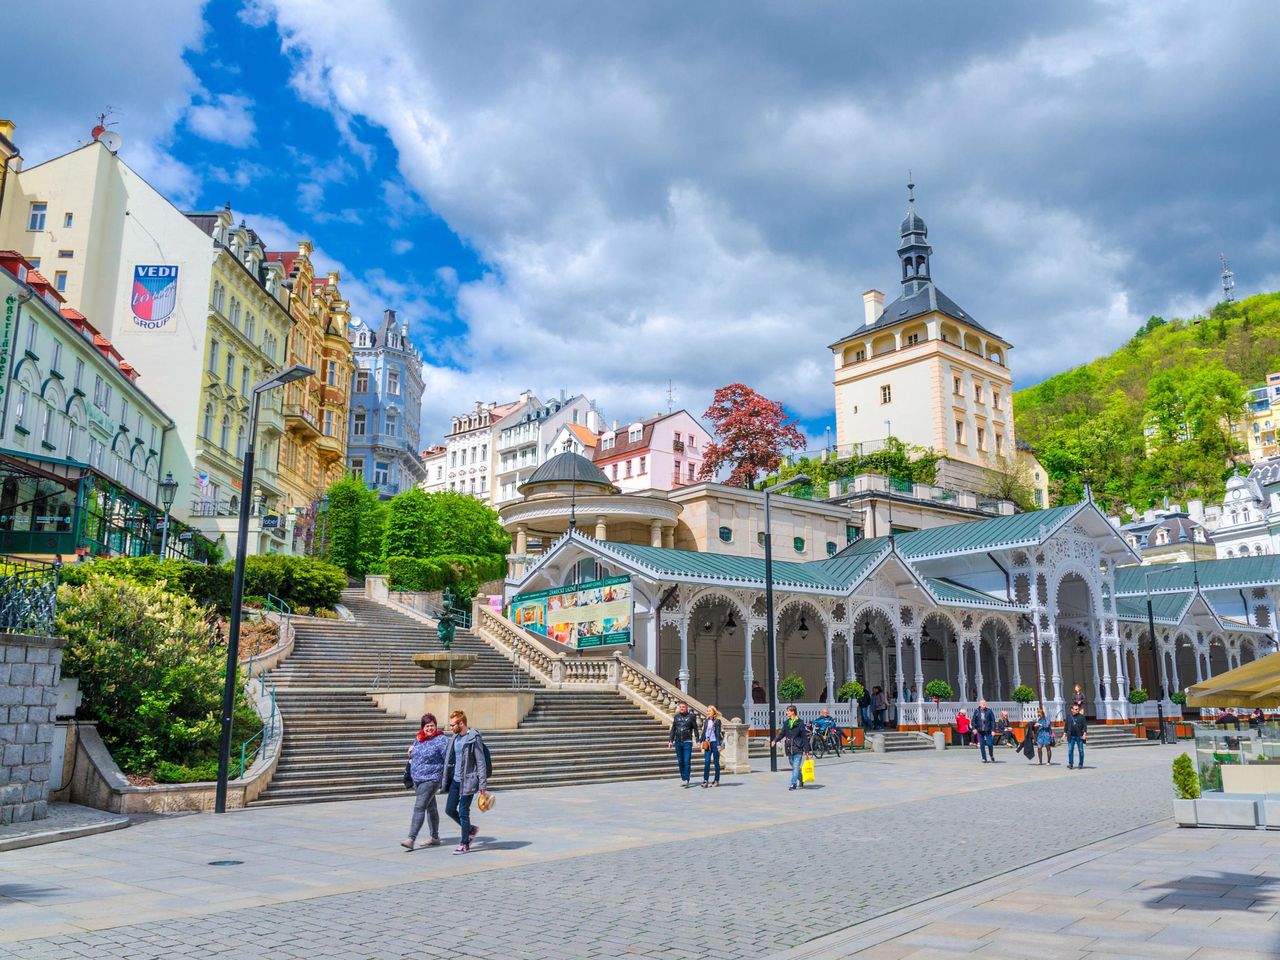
(597, 613)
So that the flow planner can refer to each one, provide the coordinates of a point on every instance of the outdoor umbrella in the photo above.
(1255, 684)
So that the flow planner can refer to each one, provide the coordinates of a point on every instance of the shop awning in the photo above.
(1255, 684)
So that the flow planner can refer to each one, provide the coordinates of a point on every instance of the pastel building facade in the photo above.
(525, 438)
(662, 453)
(384, 439)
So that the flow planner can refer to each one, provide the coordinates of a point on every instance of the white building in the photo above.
(434, 461)
(526, 438)
(469, 446)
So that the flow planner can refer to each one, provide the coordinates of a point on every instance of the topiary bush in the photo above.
(148, 673)
(1023, 694)
(1180, 698)
(791, 688)
(435, 573)
(1138, 695)
(939, 690)
(850, 690)
(1185, 782)
(299, 581)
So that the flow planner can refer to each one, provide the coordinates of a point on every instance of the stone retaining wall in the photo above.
(30, 668)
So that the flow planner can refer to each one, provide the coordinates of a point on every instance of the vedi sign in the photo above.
(593, 614)
(155, 294)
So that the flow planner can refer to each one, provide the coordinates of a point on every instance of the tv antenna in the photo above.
(1228, 281)
(108, 138)
(671, 397)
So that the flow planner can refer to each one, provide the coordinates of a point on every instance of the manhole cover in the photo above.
(225, 863)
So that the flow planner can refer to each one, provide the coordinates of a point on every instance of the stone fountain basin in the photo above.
(443, 663)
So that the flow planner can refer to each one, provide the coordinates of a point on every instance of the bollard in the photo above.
(877, 743)
(939, 740)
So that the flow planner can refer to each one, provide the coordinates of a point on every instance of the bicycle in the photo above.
(821, 743)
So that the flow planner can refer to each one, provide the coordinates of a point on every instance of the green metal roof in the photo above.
(1020, 529)
(1166, 608)
(953, 593)
(1213, 574)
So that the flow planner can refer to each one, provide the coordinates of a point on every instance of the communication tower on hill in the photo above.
(1228, 281)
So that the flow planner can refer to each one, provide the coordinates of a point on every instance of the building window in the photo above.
(982, 439)
(235, 313)
(68, 219)
(959, 431)
(328, 423)
(250, 326)
(832, 549)
(381, 473)
(55, 362)
(644, 468)
(615, 471)
(606, 442)
(977, 392)
(995, 399)
(859, 356)
(675, 471)
(957, 387)
(244, 380)
(628, 472)
(332, 372)
(634, 433)
(358, 423)
(913, 339)
(760, 538)
(393, 383)
(357, 466)
(886, 394)
(798, 543)
(999, 444)
(230, 368)
(213, 356)
(240, 442)
(79, 373)
(66, 254)
(35, 220)
(33, 331)
(362, 381)
(35, 262)
(851, 533)
(726, 535)
(224, 433)
(393, 427)
(690, 472)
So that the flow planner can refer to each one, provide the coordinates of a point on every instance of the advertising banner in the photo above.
(155, 294)
(593, 614)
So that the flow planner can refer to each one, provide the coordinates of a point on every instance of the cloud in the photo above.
(225, 118)
(117, 55)
(401, 247)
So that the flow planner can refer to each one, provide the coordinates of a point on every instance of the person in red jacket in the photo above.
(962, 727)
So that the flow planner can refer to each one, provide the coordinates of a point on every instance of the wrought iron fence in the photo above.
(28, 595)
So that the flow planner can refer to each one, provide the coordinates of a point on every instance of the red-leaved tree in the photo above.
(752, 432)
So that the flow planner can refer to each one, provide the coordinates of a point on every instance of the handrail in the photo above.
(279, 605)
(28, 595)
(267, 690)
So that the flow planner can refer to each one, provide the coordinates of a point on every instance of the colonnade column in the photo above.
(996, 661)
(1137, 669)
(683, 675)
(830, 675)
(898, 677)
(1176, 683)
(1099, 695)
(917, 642)
(1122, 684)
(1106, 678)
(1014, 649)
(962, 676)
(655, 533)
(748, 674)
(977, 666)
(1199, 670)
(1055, 660)
(1164, 666)
(602, 529)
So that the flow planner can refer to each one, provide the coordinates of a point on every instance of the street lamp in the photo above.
(168, 493)
(771, 657)
(296, 372)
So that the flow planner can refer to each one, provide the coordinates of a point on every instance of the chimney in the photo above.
(873, 305)
(389, 316)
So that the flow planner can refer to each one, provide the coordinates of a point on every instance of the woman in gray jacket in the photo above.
(466, 773)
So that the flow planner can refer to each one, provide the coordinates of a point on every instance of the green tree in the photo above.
(355, 521)
(407, 525)
(1010, 479)
(457, 523)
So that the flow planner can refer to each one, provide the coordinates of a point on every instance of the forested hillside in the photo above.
(1184, 380)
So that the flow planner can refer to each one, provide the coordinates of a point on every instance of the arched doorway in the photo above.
(1074, 615)
(802, 647)
(939, 657)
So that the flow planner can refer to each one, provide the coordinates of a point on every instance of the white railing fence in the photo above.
(843, 714)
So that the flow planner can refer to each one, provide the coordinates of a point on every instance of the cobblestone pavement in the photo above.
(750, 876)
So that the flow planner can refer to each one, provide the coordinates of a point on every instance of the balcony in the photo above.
(270, 421)
(329, 448)
(298, 419)
(677, 446)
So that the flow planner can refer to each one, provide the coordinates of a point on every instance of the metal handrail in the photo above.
(266, 689)
(28, 595)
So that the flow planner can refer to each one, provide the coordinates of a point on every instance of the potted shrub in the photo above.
(850, 691)
(1138, 695)
(1180, 698)
(1023, 694)
(1186, 784)
(791, 688)
(939, 690)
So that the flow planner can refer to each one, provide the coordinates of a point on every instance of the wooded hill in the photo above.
(1182, 380)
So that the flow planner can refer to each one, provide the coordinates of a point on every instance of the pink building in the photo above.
(661, 453)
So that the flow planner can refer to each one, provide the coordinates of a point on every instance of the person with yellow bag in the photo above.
(794, 738)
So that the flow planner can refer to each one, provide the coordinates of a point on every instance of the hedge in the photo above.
(436, 573)
(300, 581)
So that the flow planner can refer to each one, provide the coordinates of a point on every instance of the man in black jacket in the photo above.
(684, 731)
(1077, 733)
(984, 725)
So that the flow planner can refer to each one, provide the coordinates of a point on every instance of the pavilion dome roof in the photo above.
(571, 468)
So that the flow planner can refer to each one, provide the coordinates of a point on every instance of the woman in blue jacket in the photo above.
(426, 767)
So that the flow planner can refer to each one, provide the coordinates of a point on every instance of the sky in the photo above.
(644, 202)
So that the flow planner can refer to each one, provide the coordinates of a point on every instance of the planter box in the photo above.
(1227, 811)
(1250, 778)
(1184, 812)
(1271, 813)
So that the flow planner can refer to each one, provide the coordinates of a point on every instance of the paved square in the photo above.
(651, 870)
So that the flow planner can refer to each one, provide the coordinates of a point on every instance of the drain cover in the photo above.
(225, 863)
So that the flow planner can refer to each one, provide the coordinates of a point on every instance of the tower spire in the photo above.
(914, 250)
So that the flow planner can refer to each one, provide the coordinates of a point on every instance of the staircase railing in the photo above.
(254, 747)
(280, 606)
(28, 596)
(559, 670)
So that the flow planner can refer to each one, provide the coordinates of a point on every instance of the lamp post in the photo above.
(168, 493)
(771, 657)
(296, 372)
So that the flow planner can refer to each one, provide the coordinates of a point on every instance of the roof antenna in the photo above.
(1228, 281)
(671, 395)
(911, 188)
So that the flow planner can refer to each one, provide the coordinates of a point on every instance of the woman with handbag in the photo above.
(712, 738)
(1044, 737)
(426, 770)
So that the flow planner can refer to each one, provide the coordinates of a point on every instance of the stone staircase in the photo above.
(339, 744)
(1102, 737)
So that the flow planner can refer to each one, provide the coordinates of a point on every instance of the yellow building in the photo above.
(313, 447)
(924, 371)
(1258, 426)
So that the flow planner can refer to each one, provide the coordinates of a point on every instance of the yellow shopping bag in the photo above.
(806, 770)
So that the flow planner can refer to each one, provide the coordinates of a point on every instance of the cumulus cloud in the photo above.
(224, 118)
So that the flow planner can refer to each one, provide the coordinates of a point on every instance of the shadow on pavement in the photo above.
(481, 845)
(23, 891)
(1220, 891)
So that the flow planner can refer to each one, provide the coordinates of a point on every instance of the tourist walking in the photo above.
(1044, 737)
(1077, 733)
(712, 738)
(962, 726)
(681, 737)
(466, 773)
(864, 708)
(1077, 698)
(879, 705)
(984, 725)
(426, 769)
(795, 743)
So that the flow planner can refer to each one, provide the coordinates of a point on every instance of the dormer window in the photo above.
(634, 433)
(1162, 537)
